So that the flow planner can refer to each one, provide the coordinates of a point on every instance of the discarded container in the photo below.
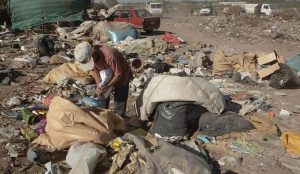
(28, 117)
(291, 141)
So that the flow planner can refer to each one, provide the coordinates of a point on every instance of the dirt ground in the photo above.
(187, 27)
(273, 159)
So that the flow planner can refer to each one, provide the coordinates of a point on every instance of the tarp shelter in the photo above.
(28, 13)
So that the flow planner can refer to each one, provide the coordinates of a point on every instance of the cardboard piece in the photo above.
(267, 58)
(268, 71)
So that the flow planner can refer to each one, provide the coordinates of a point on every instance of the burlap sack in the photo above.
(67, 71)
(68, 124)
(57, 60)
(222, 63)
(237, 63)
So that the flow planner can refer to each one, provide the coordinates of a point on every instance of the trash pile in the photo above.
(194, 111)
(252, 28)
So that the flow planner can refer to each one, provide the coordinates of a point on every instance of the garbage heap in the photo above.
(192, 107)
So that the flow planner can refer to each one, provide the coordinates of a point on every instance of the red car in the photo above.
(140, 18)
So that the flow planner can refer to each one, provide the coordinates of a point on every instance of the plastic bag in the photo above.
(116, 36)
(83, 157)
(171, 39)
(294, 62)
(285, 78)
(172, 118)
(87, 101)
(291, 141)
(215, 125)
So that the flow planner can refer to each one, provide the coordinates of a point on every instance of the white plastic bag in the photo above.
(83, 157)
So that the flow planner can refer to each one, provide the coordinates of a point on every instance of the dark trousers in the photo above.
(120, 99)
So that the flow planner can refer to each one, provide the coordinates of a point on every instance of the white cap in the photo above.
(83, 56)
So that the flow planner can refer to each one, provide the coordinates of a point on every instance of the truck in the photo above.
(264, 9)
(155, 8)
(258, 9)
(140, 18)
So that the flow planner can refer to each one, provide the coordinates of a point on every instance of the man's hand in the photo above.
(100, 92)
(104, 88)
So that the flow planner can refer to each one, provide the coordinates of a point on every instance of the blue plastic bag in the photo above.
(87, 101)
(294, 62)
(116, 36)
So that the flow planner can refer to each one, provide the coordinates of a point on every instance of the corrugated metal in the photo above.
(28, 13)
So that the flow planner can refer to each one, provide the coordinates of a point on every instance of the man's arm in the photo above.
(117, 69)
(97, 78)
(114, 80)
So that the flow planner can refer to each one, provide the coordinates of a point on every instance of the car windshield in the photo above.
(272, 7)
(143, 13)
(156, 5)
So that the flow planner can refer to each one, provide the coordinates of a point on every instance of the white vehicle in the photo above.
(205, 11)
(155, 8)
(265, 9)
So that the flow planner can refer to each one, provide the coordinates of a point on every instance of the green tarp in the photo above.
(28, 13)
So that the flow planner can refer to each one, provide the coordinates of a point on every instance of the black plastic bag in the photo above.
(159, 66)
(215, 125)
(284, 78)
(45, 44)
(171, 118)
